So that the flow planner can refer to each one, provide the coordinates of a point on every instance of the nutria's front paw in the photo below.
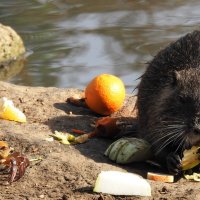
(174, 164)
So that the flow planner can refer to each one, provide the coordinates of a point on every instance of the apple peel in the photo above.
(166, 178)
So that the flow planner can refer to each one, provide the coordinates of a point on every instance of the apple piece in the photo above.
(122, 183)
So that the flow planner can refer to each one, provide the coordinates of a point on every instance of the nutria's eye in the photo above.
(184, 100)
(180, 99)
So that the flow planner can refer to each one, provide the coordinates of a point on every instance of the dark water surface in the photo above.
(71, 41)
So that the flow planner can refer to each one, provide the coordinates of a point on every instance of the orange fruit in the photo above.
(105, 94)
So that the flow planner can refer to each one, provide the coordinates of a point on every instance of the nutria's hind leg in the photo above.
(174, 164)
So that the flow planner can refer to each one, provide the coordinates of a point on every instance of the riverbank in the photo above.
(66, 171)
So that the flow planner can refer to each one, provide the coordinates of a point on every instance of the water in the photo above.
(71, 41)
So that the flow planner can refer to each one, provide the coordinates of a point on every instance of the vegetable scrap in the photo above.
(78, 100)
(67, 138)
(9, 112)
(14, 163)
(122, 183)
(128, 150)
(191, 158)
(64, 138)
(107, 127)
(111, 127)
(160, 177)
(82, 138)
(104, 127)
(194, 177)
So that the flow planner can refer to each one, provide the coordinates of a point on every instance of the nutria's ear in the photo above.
(176, 77)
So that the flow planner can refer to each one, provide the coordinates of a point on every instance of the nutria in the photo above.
(169, 101)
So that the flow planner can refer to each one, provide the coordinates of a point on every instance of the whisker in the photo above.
(168, 141)
(169, 132)
(163, 135)
(181, 143)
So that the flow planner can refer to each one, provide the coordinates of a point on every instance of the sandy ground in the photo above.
(66, 171)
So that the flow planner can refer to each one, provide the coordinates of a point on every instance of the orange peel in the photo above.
(9, 112)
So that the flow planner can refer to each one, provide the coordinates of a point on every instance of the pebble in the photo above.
(41, 196)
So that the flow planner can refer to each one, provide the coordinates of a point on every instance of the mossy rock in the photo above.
(11, 53)
(11, 44)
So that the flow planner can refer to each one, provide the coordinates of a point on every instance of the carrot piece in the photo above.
(104, 127)
(78, 131)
